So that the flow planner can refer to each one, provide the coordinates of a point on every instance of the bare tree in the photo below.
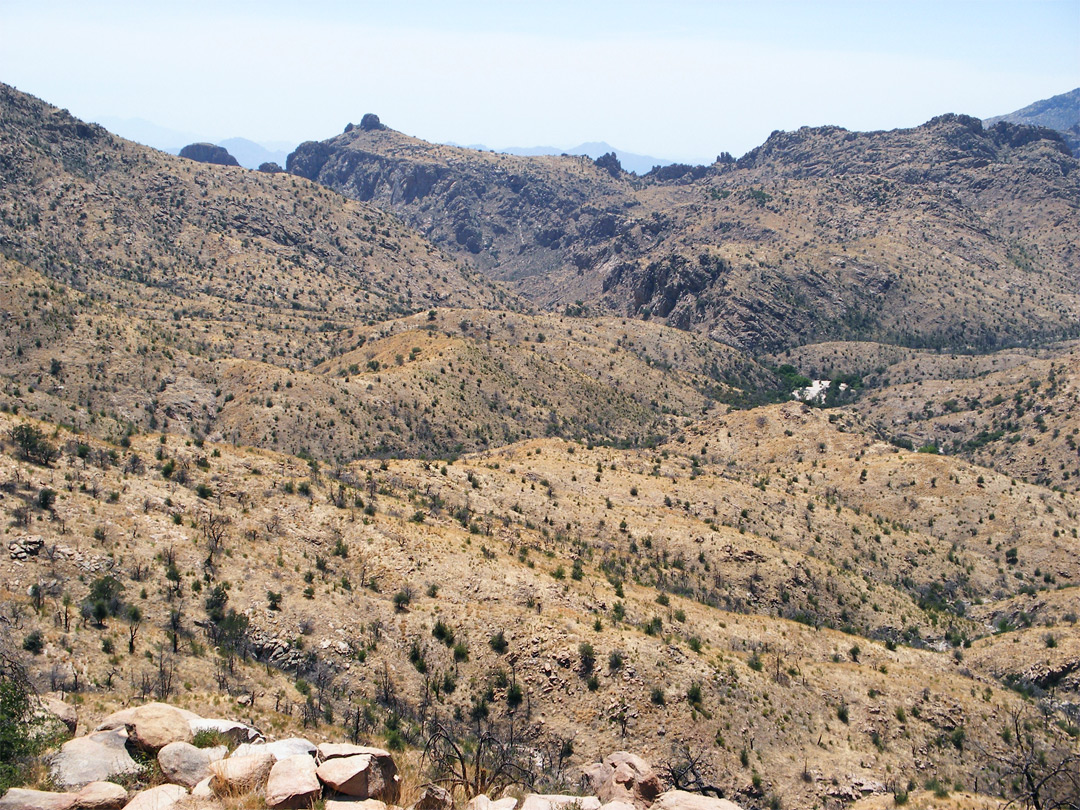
(1043, 774)
(687, 769)
(484, 757)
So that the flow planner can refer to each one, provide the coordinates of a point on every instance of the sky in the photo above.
(682, 79)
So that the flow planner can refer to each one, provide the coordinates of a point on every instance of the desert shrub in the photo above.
(33, 642)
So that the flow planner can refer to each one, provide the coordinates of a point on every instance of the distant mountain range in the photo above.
(249, 154)
(631, 162)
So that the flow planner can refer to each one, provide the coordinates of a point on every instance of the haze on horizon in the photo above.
(684, 80)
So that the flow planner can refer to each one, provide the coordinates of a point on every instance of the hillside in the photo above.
(222, 302)
(1012, 411)
(162, 236)
(946, 235)
(640, 594)
(268, 451)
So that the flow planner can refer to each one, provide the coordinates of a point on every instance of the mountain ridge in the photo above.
(1060, 112)
(754, 252)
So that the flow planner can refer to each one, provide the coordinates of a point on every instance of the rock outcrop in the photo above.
(294, 773)
(208, 153)
(622, 777)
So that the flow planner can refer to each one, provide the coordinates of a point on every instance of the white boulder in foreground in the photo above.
(94, 758)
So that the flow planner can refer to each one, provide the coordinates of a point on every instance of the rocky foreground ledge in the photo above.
(290, 773)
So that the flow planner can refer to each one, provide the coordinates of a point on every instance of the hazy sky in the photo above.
(680, 79)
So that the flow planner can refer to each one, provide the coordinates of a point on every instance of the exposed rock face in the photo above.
(270, 167)
(208, 153)
(94, 758)
(289, 776)
(153, 725)
(203, 790)
(1060, 113)
(292, 783)
(184, 764)
(370, 122)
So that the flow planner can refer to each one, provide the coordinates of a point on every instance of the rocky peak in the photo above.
(208, 153)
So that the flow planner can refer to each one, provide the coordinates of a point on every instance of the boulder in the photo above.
(94, 758)
(278, 749)
(631, 781)
(554, 801)
(51, 705)
(161, 797)
(236, 732)
(101, 796)
(184, 764)
(23, 799)
(240, 774)
(682, 800)
(270, 167)
(434, 798)
(153, 725)
(334, 750)
(482, 802)
(292, 783)
(594, 775)
(203, 790)
(370, 775)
